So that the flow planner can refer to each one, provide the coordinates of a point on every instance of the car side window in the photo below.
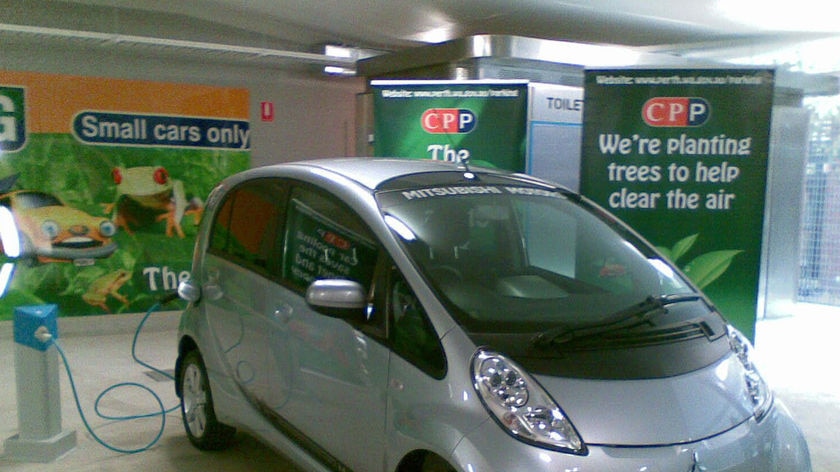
(410, 330)
(324, 238)
(245, 227)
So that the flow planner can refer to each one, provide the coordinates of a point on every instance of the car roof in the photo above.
(371, 172)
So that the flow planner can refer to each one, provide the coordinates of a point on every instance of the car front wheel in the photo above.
(433, 463)
(203, 429)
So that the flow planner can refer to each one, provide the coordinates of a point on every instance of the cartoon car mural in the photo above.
(51, 231)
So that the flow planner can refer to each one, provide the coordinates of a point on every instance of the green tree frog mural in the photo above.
(147, 194)
(107, 285)
(705, 268)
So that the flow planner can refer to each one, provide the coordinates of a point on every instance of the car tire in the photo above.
(203, 429)
(435, 463)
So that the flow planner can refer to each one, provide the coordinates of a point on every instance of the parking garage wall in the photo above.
(314, 114)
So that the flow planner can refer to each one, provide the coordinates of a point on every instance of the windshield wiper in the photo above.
(630, 317)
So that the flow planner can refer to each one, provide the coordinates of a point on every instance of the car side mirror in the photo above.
(338, 298)
(189, 291)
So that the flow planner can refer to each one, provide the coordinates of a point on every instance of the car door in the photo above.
(335, 399)
(237, 283)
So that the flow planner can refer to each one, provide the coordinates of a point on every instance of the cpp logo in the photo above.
(12, 119)
(676, 111)
(448, 121)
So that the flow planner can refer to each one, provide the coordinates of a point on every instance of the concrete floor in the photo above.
(798, 356)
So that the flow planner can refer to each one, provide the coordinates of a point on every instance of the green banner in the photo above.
(452, 120)
(681, 156)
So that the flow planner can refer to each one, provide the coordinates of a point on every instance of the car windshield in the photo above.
(520, 257)
(29, 200)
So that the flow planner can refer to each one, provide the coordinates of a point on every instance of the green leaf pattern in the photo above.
(705, 268)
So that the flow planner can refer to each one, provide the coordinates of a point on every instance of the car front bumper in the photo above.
(774, 445)
(72, 254)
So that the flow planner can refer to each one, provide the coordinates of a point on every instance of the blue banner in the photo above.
(129, 129)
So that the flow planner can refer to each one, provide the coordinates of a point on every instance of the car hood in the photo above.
(663, 411)
(64, 215)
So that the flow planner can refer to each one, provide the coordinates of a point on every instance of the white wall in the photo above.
(314, 114)
(312, 119)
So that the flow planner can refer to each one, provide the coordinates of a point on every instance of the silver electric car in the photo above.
(407, 315)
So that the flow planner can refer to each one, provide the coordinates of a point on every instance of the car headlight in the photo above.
(521, 406)
(50, 228)
(757, 389)
(107, 228)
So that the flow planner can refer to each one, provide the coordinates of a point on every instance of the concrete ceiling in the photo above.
(712, 29)
(391, 24)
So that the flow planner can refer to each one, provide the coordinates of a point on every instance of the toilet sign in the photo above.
(681, 155)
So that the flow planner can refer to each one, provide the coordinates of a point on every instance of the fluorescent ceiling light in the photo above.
(336, 70)
(333, 50)
(437, 35)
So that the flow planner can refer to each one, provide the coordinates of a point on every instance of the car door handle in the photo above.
(212, 291)
(397, 385)
(283, 312)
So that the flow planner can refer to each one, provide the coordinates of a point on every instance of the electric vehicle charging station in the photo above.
(40, 437)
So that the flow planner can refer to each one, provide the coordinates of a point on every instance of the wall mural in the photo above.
(105, 180)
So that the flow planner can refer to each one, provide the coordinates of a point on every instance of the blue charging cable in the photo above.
(162, 411)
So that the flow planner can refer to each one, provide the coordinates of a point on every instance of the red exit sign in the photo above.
(267, 111)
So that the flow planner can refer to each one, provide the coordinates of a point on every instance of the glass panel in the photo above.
(246, 225)
(525, 257)
(819, 280)
(325, 239)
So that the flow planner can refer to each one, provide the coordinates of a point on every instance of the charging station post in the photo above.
(40, 437)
